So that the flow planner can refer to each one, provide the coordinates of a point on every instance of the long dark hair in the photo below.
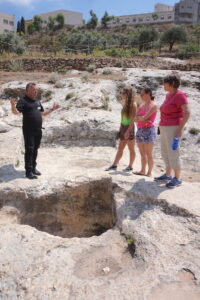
(127, 109)
(147, 90)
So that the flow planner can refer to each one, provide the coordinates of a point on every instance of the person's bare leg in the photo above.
(120, 150)
(149, 155)
(177, 173)
(131, 147)
(143, 159)
(168, 171)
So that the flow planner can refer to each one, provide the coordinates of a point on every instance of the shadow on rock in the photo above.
(9, 173)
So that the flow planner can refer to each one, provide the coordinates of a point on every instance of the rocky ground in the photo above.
(78, 232)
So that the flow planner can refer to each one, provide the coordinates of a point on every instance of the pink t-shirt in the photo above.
(171, 111)
(142, 112)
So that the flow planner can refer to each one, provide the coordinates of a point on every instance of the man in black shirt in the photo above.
(32, 111)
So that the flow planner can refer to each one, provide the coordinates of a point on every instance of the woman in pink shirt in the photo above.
(174, 115)
(146, 133)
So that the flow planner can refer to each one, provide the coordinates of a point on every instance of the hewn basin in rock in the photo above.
(82, 211)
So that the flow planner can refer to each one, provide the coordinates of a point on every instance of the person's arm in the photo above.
(13, 103)
(50, 110)
(152, 110)
(186, 115)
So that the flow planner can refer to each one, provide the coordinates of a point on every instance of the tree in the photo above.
(11, 43)
(30, 28)
(92, 23)
(155, 17)
(146, 37)
(37, 22)
(60, 19)
(19, 27)
(51, 23)
(173, 35)
(105, 19)
(22, 25)
(196, 32)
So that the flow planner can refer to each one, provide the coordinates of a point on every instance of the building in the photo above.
(159, 16)
(187, 12)
(71, 17)
(7, 23)
(162, 7)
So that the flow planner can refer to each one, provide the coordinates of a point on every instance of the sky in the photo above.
(29, 8)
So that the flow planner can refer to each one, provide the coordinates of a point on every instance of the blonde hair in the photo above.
(128, 107)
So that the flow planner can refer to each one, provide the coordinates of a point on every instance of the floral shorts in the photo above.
(146, 135)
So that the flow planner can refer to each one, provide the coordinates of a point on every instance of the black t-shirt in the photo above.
(31, 110)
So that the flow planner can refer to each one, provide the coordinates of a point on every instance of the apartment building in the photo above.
(159, 16)
(71, 17)
(7, 23)
(187, 12)
(159, 7)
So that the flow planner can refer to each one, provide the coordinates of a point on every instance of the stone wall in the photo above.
(62, 64)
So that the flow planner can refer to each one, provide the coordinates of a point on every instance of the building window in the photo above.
(127, 21)
(140, 20)
(134, 20)
(5, 21)
(6, 30)
(169, 17)
(147, 18)
(11, 23)
(162, 17)
(182, 6)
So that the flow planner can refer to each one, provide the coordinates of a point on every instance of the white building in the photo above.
(7, 23)
(159, 16)
(162, 7)
(71, 17)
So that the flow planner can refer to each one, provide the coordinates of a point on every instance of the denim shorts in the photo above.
(146, 135)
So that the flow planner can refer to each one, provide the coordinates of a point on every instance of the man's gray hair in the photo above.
(29, 84)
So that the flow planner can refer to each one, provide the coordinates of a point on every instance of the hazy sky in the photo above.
(28, 8)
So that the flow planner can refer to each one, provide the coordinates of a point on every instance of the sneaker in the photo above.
(128, 169)
(113, 167)
(36, 172)
(173, 183)
(163, 178)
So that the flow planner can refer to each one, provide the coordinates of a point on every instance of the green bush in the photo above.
(16, 65)
(194, 131)
(91, 68)
(69, 96)
(11, 43)
(107, 71)
(187, 51)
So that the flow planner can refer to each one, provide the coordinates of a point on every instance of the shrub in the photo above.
(69, 96)
(187, 51)
(91, 68)
(47, 95)
(62, 70)
(84, 78)
(194, 131)
(107, 71)
(119, 64)
(16, 65)
(53, 78)
(59, 84)
(11, 43)
(105, 102)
